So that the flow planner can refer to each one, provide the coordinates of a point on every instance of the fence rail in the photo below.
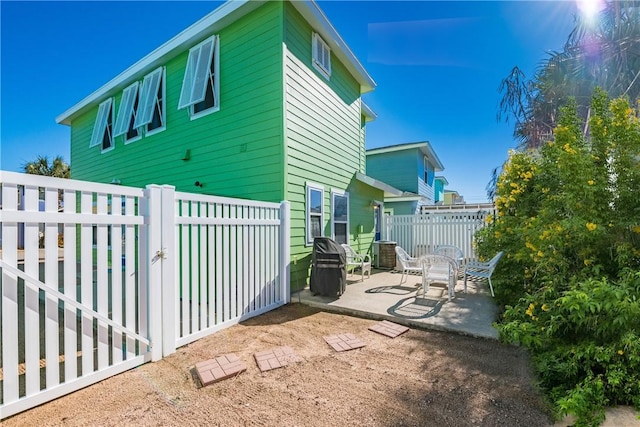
(420, 234)
(97, 279)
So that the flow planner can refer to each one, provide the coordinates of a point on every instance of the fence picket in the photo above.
(420, 234)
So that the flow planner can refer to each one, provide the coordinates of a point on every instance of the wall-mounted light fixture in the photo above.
(198, 184)
(116, 181)
(187, 155)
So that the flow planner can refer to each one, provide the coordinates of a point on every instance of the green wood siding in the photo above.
(400, 169)
(324, 136)
(236, 151)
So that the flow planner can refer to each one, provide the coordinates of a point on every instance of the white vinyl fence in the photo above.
(97, 279)
(420, 234)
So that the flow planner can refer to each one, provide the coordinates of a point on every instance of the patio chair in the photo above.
(453, 252)
(355, 260)
(407, 263)
(481, 270)
(439, 269)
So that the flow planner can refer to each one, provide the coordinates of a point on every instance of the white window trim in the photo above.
(101, 122)
(190, 94)
(323, 67)
(147, 102)
(312, 186)
(340, 193)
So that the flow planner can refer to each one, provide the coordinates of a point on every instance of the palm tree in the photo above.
(41, 166)
(605, 55)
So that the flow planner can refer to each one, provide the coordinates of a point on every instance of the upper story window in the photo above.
(314, 211)
(103, 127)
(200, 86)
(321, 56)
(426, 170)
(151, 111)
(340, 219)
(127, 114)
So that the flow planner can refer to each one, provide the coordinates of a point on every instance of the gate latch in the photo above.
(161, 254)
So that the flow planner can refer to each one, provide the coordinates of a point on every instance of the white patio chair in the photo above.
(407, 263)
(439, 269)
(481, 270)
(452, 252)
(355, 260)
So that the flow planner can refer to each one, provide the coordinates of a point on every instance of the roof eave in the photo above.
(372, 182)
(216, 20)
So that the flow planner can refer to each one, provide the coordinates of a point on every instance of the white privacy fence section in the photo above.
(72, 305)
(420, 234)
(232, 262)
(97, 279)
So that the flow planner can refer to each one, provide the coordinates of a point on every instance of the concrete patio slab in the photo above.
(382, 297)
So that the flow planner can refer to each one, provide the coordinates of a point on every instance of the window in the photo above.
(127, 114)
(426, 169)
(314, 208)
(151, 107)
(321, 56)
(340, 218)
(200, 86)
(103, 128)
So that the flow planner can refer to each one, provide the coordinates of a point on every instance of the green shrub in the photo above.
(568, 220)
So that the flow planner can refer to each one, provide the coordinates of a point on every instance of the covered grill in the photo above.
(328, 268)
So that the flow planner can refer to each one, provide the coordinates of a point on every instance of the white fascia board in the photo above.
(368, 113)
(372, 182)
(210, 24)
(424, 147)
(427, 149)
(392, 148)
(310, 10)
(402, 199)
(442, 179)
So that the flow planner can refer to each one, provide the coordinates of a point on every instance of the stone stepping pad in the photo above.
(274, 358)
(344, 342)
(389, 329)
(220, 368)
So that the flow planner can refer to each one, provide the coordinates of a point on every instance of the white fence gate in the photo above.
(420, 234)
(97, 279)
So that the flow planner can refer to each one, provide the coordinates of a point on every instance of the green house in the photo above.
(257, 100)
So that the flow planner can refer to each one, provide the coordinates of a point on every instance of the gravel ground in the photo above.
(420, 378)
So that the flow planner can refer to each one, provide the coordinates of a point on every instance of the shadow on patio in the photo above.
(383, 297)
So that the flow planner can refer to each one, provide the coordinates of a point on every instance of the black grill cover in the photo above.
(328, 268)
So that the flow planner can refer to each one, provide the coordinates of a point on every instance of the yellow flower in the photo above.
(545, 307)
(540, 254)
(529, 311)
(591, 226)
(587, 262)
(620, 352)
(488, 219)
(636, 228)
(591, 182)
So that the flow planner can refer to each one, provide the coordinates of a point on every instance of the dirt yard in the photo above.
(420, 378)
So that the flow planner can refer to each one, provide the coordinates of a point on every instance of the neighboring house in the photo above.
(407, 167)
(438, 189)
(451, 197)
(257, 100)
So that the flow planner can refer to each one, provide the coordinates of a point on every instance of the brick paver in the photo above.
(220, 368)
(389, 329)
(344, 342)
(275, 358)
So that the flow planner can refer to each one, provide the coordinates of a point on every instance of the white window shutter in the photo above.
(196, 75)
(126, 109)
(101, 123)
(148, 95)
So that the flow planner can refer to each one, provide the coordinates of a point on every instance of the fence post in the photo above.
(151, 253)
(169, 270)
(285, 250)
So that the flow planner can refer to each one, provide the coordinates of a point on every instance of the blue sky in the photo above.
(437, 65)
